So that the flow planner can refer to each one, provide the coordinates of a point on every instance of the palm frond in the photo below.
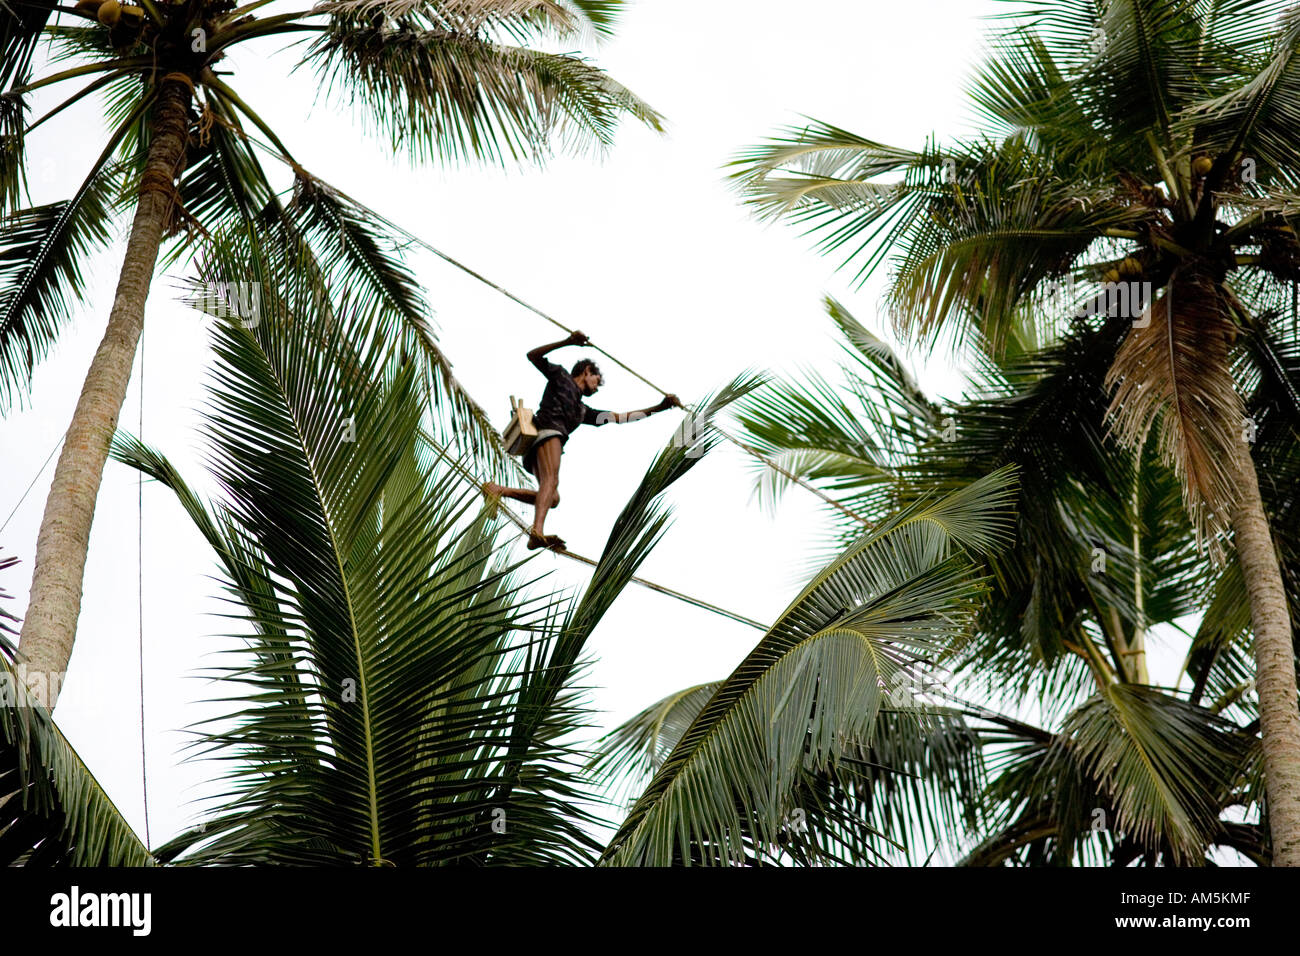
(42, 254)
(1258, 118)
(1133, 773)
(21, 26)
(223, 182)
(877, 443)
(54, 812)
(7, 647)
(371, 709)
(973, 229)
(913, 788)
(1175, 370)
(439, 93)
(353, 266)
(1165, 766)
(849, 442)
(815, 683)
(1023, 88)
(632, 753)
(357, 253)
(13, 154)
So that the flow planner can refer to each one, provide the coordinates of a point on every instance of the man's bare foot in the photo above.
(551, 541)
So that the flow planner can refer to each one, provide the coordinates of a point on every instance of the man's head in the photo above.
(587, 377)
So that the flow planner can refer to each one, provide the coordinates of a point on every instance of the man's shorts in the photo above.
(530, 456)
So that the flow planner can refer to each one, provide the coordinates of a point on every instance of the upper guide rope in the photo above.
(748, 449)
(413, 238)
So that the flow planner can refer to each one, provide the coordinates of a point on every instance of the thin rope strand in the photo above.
(523, 531)
(754, 452)
(412, 237)
(32, 483)
(477, 484)
(139, 536)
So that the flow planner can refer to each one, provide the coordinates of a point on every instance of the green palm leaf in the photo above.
(385, 632)
(1133, 773)
(636, 749)
(42, 252)
(636, 531)
(54, 812)
(914, 785)
(1165, 766)
(895, 598)
(443, 90)
(401, 692)
(356, 253)
(341, 260)
(5, 629)
(21, 26)
(1257, 118)
(41, 255)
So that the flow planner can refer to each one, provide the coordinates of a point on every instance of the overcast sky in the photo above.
(645, 249)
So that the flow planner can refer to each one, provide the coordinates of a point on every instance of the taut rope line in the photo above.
(139, 537)
(413, 238)
(523, 532)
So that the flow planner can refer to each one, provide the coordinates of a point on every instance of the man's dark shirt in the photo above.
(562, 407)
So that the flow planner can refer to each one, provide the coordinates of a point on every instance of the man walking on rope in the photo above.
(560, 412)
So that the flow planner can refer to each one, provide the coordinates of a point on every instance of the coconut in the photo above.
(1130, 267)
(110, 11)
(1202, 165)
(1110, 275)
(88, 6)
(133, 13)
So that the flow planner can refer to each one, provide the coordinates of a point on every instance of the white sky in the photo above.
(647, 250)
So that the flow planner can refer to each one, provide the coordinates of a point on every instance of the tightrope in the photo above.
(524, 531)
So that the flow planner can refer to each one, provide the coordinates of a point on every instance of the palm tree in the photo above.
(1129, 142)
(449, 81)
(1086, 756)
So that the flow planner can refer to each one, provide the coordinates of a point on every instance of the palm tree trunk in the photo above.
(1275, 680)
(51, 621)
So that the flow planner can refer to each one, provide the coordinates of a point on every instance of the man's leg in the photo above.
(518, 494)
(526, 495)
(548, 483)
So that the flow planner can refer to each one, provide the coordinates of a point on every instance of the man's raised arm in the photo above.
(538, 355)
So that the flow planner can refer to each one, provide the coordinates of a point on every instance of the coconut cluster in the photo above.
(1127, 268)
(124, 21)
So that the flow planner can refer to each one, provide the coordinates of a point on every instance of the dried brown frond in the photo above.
(1173, 367)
